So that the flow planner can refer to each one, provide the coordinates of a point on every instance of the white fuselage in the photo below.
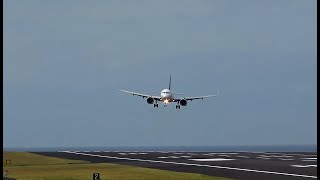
(166, 96)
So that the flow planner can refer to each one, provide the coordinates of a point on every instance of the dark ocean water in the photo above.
(249, 148)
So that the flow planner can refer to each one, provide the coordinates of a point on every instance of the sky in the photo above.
(63, 62)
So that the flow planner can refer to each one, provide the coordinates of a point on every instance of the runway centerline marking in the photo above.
(190, 164)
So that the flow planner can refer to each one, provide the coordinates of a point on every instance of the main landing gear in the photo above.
(155, 105)
(177, 106)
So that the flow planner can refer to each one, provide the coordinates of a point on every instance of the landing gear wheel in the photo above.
(155, 105)
(177, 106)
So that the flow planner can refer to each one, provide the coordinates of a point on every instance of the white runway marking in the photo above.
(122, 153)
(163, 157)
(198, 165)
(173, 157)
(132, 153)
(291, 154)
(273, 156)
(224, 155)
(269, 153)
(310, 158)
(304, 166)
(280, 154)
(286, 159)
(243, 156)
(283, 154)
(215, 159)
(229, 153)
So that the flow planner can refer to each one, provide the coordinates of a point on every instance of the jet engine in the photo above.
(150, 100)
(183, 102)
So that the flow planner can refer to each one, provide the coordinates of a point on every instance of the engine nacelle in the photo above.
(183, 102)
(150, 100)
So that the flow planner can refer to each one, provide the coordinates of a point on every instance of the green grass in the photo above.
(28, 166)
(28, 159)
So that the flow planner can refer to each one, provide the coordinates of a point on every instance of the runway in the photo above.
(236, 165)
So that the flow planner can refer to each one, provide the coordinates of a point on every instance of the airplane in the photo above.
(167, 96)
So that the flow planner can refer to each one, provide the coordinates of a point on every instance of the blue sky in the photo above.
(64, 59)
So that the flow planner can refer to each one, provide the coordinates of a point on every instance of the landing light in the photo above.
(166, 101)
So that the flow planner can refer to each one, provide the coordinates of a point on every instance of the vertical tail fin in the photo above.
(170, 82)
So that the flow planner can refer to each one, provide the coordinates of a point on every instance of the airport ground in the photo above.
(195, 165)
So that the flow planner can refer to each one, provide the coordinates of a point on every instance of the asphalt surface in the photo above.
(236, 165)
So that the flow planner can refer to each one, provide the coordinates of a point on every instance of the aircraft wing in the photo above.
(196, 97)
(141, 95)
